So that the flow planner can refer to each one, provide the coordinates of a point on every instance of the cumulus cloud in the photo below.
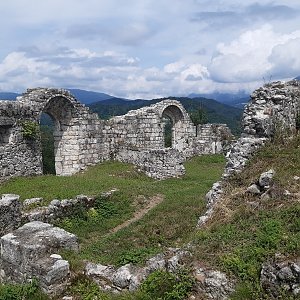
(71, 67)
(253, 56)
(285, 58)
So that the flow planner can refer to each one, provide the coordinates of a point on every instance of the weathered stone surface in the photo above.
(130, 277)
(266, 179)
(215, 192)
(253, 189)
(32, 201)
(278, 276)
(58, 209)
(10, 213)
(30, 252)
(213, 284)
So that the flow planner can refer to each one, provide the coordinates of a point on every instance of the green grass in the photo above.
(166, 225)
(102, 177)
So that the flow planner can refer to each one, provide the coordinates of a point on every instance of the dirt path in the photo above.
(149, 204)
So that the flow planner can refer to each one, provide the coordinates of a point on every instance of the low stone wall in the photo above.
(212, 139)
(159, 164)
(14, 213)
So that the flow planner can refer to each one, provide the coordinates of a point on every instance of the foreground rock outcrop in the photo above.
(31, 252)
(279, 277)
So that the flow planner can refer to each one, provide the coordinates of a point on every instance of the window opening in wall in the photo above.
(4, 135)
(47, 140)
(168, 125)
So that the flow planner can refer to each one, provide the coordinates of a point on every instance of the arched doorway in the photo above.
(59, 113)
(172, 118)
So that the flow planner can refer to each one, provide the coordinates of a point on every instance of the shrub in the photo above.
(29, 291)
(30, 129)
(162, 285)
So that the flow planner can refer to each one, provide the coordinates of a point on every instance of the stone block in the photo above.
(30, 252)
(10, 213)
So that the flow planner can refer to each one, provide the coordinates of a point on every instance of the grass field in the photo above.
(168, 224)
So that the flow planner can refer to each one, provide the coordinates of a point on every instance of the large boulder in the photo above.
(31, 252)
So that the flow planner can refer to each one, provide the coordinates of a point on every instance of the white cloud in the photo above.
(285, 58)
(251, 57)
(148, 48)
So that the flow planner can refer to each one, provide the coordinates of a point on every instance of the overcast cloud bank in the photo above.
(146, 49)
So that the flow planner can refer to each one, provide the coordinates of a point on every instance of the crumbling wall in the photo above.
(31, 252)
(18, 157)
(273, 108)
(156, 163)
(212, 139)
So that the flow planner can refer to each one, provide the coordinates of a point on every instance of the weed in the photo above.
(168, 286)
(29, 291)
(30, 129)
(135, 256)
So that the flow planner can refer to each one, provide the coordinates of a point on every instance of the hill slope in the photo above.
(8, 96)
(248, 230)
(87, 97)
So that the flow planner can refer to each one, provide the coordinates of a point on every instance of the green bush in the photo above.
(135, 256)
(162, 285)
(30, 129)
(28, 291)
(105, 208)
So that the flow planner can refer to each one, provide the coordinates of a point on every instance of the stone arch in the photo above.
(65, 111)
(175, 115)
(182, 126)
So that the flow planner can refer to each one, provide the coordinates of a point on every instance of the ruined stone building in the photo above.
(81, 138)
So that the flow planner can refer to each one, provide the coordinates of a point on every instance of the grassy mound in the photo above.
(245, 230)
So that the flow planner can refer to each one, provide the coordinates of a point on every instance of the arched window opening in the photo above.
(47, 126)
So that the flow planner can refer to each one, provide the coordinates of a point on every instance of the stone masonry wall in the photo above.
(82, 139)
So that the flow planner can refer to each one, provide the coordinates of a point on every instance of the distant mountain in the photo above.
(215, 111)
(236, 100)
(8, 96)
(87, 97)
(298, 78)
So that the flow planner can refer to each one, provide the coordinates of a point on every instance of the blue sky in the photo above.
(148, 48)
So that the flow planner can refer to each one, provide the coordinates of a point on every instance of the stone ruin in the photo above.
(82, 139)
(273, 109)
